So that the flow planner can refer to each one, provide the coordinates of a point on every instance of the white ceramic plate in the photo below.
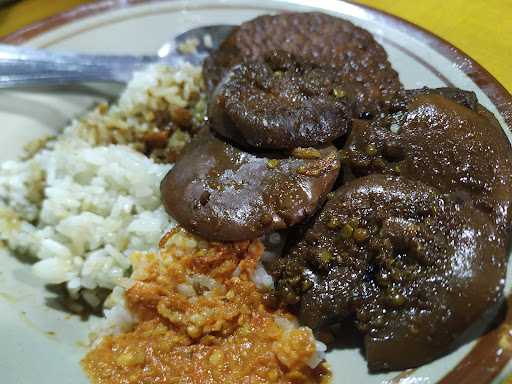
(40, 344)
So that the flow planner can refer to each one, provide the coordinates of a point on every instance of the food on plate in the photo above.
(82, 202)
(223, 193)
(278, 102)
(437, 139)
(415, 268)
(320, 39)
(466, 98)
(294, 150)
(202, 320)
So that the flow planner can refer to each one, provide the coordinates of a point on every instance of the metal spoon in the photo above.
(20, 66)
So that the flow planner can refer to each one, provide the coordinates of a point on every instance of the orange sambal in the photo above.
(200, 320)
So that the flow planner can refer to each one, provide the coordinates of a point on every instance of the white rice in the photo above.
(82, 205)
(274, 243)
(261, 278)
(287, 325)
(189, 46)
(88, 199)
(208, 40)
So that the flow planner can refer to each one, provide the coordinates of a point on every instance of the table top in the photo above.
(479, 28)
(482, 29)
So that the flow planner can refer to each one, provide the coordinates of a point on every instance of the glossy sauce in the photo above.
(223, 193)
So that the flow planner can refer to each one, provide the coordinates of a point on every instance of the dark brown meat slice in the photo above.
(280, 103)
(416, 269)
(440, 142)
(319, 38)
(465, 98)
(222, 193)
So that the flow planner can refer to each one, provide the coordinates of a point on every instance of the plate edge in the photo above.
(494, 90)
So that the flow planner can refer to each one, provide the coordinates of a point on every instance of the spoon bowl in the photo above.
(21, 66)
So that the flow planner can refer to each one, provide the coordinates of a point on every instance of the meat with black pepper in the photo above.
(416, 269)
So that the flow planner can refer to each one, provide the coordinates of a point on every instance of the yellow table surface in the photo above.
(481, 28)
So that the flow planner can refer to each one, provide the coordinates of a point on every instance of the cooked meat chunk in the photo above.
(465, 98)
(223, 193)
(279, 103)
(440, 142)
(321, 39)
(416, 269)
(412, 247)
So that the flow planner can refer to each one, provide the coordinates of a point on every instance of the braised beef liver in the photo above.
(280, 103)
(321, 39)
(222, 193)
(441, 142)
(415, 268)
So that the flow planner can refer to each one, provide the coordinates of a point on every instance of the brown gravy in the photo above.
(487, 358)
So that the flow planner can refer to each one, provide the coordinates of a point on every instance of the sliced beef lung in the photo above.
(222, 193)
(321, 39)
(416, 268)
(279, 102)
(445, 140)
(465, 98)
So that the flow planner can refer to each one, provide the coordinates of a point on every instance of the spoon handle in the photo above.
(24, 66)
(28, 66)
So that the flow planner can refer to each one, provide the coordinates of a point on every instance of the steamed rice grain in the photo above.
(84, 202)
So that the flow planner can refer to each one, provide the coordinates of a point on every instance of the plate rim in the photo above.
(486, 82)
(495, 91)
